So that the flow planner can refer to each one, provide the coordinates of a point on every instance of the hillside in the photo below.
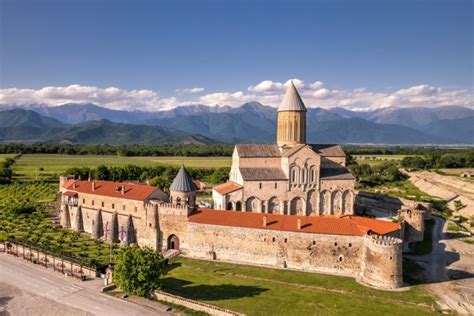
(28, 126)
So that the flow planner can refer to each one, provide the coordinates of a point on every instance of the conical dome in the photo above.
(183, 182)
(292, 100)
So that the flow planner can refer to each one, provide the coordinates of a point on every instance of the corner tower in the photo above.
(291, 128)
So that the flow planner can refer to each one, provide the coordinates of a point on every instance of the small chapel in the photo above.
(290, 177)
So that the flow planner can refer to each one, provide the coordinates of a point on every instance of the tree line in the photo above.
(161, 176)
(371, 176)
(6, 171)
(120, 150)
(430, 160)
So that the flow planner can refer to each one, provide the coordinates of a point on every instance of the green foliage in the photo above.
(160, 176)
(138, 270)
(371, 176)
(120, 150)
(440, 159)
(30, 222)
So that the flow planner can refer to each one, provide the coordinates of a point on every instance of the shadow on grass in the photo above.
(206, 292)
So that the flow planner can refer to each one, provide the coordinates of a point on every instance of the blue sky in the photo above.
(228, 46)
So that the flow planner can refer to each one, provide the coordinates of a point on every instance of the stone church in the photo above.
(290, 177)
(286, 205)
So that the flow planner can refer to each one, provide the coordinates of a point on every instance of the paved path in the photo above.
(81, 296)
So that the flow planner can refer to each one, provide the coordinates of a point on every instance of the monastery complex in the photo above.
(288, 205)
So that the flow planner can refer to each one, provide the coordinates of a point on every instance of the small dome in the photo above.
(183, 182)
(292, 100)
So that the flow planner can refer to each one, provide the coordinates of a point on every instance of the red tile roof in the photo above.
(227, 187)
(70, 193)
(132, 191)
(332, 225)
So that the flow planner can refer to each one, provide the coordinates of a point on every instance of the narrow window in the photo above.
(273, 239)
(350, 245)
(276, 185)
(123, 207)
(83, 201)
(335, 244)
(314, 243)
(102, 203)
(286, 240)
(113, 206)
(260, 185)
(136, 209)
(92, 202)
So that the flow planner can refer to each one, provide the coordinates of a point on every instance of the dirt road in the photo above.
(450, 258)
(449, 188)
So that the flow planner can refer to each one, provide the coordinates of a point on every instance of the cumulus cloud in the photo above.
(111, 97)
(189, 90)
(268, 92)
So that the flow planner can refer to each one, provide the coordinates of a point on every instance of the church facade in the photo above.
(290, 177)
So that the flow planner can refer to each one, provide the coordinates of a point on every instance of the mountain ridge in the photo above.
(254, 122)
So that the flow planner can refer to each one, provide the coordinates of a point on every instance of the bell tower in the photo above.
(291, 129)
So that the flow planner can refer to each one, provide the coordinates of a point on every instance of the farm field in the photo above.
(376, 159)
(24, 217)
(265, 291)
(48, 166)
(5, 156)
(456, 171)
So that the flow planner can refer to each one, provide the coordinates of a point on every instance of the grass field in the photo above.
(261, 291)
(455, 171)
(376, 159)
(402, 189)
(46, 166)
(4, 156)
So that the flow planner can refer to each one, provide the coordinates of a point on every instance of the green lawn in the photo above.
(263, 291)
(48, 166)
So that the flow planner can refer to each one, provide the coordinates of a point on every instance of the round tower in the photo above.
(291, 129)
(183, 190)
(381, 262)
(414, 224)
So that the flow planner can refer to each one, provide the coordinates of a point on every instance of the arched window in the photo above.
(229, 206)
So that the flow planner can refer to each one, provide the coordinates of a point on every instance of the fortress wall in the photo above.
(366, 201)
(302, 251)
(173, 221)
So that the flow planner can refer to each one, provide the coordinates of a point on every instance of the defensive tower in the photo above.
(291, 128)
(381, 262)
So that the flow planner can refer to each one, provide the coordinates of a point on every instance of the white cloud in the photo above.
(189, 90)
(267, 92)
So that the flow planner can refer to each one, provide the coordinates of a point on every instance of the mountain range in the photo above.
(249, 123)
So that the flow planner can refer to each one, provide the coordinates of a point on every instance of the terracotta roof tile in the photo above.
(328, 150)
(70, 193)
(132, 191)
(332, 225)
(227, 187)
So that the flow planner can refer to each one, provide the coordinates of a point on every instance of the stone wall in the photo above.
(195, 305)
(302, 251)
(367, 201)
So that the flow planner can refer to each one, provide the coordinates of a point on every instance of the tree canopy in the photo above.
(138, 270)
